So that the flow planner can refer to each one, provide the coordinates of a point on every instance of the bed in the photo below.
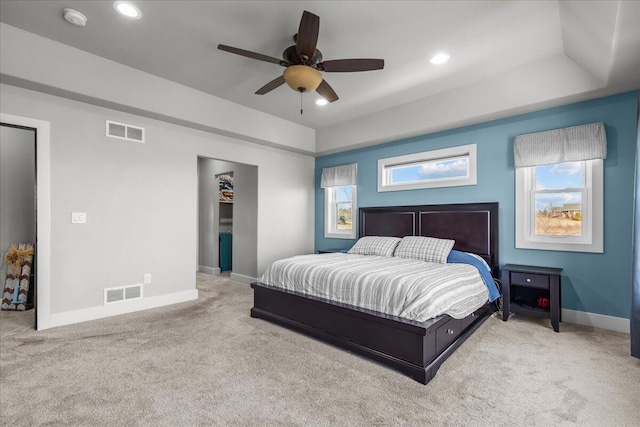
(415, 348)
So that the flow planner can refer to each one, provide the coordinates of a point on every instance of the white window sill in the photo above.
(349, 236)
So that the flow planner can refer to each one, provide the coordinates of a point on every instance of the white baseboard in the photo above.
(595, 320)
(243, 279)
(209, 270)
(99, 312)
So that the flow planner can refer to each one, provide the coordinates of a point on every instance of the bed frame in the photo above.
(415, 348)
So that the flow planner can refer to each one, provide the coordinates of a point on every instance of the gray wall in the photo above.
(245, 215)
(17, 187)
(245, 212)
(141, 200)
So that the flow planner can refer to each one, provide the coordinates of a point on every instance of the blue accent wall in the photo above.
(596, 283)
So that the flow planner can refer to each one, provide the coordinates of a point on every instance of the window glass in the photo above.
(340, 204)
(559, 176)
(556, 217)
(558, 206)
(430, 169)
(344, 216)
(344, 193)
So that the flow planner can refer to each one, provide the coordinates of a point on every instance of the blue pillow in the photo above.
(457, 257)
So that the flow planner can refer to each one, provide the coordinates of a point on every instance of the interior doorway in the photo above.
(228, 219)
(225, 221)
(18, 221)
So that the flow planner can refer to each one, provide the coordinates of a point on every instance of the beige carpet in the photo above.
(209, 363)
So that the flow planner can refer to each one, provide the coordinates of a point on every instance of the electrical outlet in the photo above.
(78, 218)
(147, 278)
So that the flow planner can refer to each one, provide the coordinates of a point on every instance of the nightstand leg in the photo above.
(555, 302)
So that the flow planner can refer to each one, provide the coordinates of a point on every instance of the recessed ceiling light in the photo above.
(322, 101)
(74, 17)
(439, 58)
(127, 9)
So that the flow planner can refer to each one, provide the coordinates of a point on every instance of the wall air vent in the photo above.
(122, 293)
(124, 131)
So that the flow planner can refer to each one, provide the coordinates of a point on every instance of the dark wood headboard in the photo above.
(474, 226)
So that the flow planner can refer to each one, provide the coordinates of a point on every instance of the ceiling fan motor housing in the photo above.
(290, 55)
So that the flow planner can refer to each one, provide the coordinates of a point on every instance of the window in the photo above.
(340, 191)
(340, 202)
(559, 206)
(439, 168)
(559, 188)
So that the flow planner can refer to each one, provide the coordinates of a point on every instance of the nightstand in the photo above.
(532, 291)
(332, 251)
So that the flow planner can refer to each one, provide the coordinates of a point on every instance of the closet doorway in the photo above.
(228, 219)
(18, 223)
(225, 221)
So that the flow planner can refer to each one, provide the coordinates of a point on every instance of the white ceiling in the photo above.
(177, 40)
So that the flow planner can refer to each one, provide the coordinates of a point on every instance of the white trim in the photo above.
(99, 312)
(209, 270)
(594, 171)
(596, 320)
(247, 280)
(43, 248)
(444, 154)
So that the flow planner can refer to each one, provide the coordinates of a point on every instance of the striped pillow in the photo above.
(375, 245)
(427, 249)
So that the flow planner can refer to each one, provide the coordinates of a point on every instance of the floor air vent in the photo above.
(123, 293)
(123, 131)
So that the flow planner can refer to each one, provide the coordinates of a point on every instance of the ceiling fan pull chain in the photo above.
(300, 103)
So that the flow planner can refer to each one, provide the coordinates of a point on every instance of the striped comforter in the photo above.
(407, 288)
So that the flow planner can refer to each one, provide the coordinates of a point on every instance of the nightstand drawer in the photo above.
(530, 280)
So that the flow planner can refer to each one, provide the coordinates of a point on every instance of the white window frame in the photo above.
(592, 203)
(385, 166)
(330, 214)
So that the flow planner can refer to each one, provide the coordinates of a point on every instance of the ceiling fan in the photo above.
(303, 62)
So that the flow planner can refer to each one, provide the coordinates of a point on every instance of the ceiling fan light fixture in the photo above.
(302, 78)
(439, 58)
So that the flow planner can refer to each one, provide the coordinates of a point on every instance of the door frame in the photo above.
(42, 296)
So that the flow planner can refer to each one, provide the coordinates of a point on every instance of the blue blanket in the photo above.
(459, 257)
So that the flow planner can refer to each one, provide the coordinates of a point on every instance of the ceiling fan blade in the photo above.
(351, 65)
(308, 34)
(253, 55)
(270, 86)
(327, 91)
